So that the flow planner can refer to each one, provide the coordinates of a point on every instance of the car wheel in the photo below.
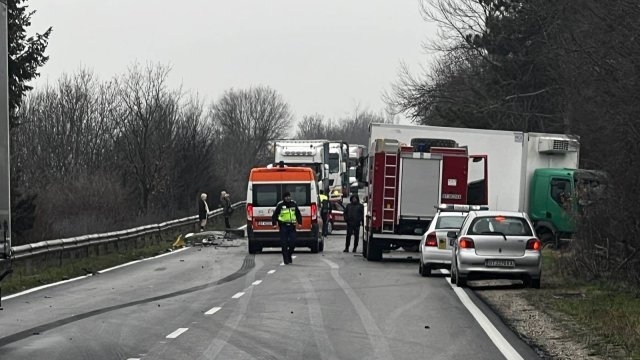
(321, 248)
(534, 283)
(426, 270)
(461, 281)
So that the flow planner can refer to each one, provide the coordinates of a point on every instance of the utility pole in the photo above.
(5, 185)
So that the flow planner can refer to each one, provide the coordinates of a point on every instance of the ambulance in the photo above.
(264, 191)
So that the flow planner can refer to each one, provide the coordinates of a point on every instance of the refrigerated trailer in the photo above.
(526, 172)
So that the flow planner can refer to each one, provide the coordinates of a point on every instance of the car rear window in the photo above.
(450, 222)
(513, 226)
(271, 194)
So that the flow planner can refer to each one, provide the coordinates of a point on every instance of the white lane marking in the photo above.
(177, 333)
(238, 295)
(282, 264)
(498, 340)
(242, 227)
(213, 310)
(378, 342)
(83, 277)
(293, 257)
(133, 359)
(271, 271)
(256, 283)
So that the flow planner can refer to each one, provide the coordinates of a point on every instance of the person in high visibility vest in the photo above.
(287, 215)
(325, 208)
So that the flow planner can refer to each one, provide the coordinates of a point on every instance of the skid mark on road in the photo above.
(247, 265)
(376, 338)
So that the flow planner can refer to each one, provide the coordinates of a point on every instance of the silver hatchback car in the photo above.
(495, 245)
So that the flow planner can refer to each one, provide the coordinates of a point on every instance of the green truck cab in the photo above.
(558, 197)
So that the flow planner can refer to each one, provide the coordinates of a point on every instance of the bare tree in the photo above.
(146, 129)
(248, 120)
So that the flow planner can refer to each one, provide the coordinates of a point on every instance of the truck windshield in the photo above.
(334, 163)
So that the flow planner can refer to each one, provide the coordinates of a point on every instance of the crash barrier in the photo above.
(56, 252)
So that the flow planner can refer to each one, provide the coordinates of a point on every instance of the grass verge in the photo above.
(604, 316)
(17, 281)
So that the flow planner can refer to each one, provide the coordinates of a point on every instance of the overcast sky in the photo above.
(323, 57)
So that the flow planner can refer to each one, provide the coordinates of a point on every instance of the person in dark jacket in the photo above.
(354, 217)
(203, 211)
(227, 210)
(288, 216)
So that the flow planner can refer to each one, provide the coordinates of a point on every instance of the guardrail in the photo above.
(142, 234)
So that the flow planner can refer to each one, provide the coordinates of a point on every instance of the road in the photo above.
(221, 303)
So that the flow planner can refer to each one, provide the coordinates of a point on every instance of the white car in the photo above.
(435, 248)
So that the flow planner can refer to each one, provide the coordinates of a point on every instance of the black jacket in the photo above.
(226, 207)
(276, 213)
(354, 214)
(202, 210)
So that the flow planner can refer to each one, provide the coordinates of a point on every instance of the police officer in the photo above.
(325, 207)
(287, 215)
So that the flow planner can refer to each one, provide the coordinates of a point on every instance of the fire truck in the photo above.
(406, 181)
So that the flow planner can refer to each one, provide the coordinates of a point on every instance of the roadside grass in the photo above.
(603, 315)
(19, 280)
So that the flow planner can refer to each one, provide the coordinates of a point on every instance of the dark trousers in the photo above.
(325, 224)
(226, 222)
(355, 231)
(287, 241)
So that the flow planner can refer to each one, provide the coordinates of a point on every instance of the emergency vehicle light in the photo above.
(298, 153)
(460, 207)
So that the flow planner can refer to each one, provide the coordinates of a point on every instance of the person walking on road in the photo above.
(227, 210)
(354, 216)
(325, 208)
(288, 216)
(203, 211)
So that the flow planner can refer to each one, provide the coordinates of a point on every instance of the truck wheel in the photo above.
(374, 251)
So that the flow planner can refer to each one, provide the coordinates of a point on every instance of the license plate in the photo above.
(264, 223)
(500, 263)
(442, 244)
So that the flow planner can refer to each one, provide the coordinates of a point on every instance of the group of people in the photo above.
(225, 204)
(287, 217)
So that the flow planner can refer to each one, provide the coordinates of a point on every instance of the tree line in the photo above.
(549, 66)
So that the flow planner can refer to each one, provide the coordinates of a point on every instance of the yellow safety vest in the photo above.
(323, 197)
(287, 215)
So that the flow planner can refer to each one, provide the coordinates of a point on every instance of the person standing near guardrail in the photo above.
(203, 211)
(227, 210)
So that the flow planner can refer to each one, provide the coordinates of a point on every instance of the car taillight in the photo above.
(466, 243)
(249, 212)
(534, 244)
(431, 240)
(314, 211)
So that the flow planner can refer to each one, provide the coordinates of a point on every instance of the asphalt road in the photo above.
(221, 303)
